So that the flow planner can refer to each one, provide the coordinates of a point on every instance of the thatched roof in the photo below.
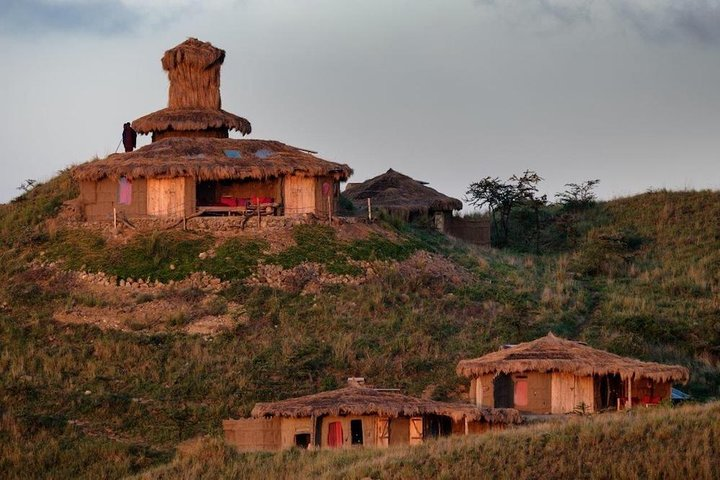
(211, 159)
(193, 68)
(394, 191)
(356, 400)
(551, 353)
(190, 119)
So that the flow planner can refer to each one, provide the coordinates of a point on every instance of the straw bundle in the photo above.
(206, 159)
(355, 400)
(194, 71)
(550, 353)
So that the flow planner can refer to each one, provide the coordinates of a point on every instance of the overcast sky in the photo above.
(446, 91)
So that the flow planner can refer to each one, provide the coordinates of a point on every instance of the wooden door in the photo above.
(416, 430)
(299, 195)
(503, 391)
(170, 197)
(382, 431)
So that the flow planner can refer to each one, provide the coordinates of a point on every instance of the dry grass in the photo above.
(657, 444)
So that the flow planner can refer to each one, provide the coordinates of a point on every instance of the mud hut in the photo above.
(192, 167)
(554, 375)
(358, 415)
(408, 199)
(401, 196)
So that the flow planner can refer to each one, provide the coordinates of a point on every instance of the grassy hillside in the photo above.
(82, 401)
(679, 443)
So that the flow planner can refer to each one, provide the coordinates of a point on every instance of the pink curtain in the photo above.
(125, 191)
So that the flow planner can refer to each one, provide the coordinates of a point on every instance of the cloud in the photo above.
(672, 20)
(541, 15)
(655, 20)
(86, 16)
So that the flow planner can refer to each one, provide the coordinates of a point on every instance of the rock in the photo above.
(203, 255)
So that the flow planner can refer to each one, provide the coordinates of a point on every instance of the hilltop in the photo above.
(117, 349)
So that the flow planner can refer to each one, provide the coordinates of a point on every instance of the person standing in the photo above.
(129, 137)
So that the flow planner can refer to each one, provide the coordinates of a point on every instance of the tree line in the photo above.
(525, 219)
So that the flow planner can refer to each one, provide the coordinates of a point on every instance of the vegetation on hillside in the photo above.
(643, 281)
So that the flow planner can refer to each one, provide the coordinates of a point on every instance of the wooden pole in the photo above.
(466, 426)
(629, 392)
(329, 202)
(114, 217)
(369, 209)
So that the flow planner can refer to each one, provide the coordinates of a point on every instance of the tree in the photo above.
(578, 196)
(502, 197)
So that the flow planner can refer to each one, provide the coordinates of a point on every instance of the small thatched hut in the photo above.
(408, 199)
(358, 415)
(402, 196)
(554, 375)
(192, 166)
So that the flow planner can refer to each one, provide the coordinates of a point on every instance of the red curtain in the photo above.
(335, 435)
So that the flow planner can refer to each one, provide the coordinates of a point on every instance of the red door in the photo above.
(335, 435)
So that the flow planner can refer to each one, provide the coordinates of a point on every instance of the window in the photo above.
(356, 432)
(521, 392)
(335, 435)
(302, 440)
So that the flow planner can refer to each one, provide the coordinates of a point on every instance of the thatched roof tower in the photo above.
(194, 103)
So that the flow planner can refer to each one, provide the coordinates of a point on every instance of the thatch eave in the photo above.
(553, 354)
(190, 119)
(367, 401)
(205, 159)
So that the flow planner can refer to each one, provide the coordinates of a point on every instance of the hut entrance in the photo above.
(335, 435)
(437, 426)
(356, 432)
(608, 389)
(302, 440)
(205, 193)
(503, 391)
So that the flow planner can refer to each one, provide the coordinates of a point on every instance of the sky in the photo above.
(446, 91)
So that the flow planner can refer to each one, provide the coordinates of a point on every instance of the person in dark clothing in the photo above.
(129, 137)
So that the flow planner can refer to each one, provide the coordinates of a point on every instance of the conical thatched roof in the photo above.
(211, 159)
(194, 103)
(356, 400)
(394, 191)
(551, 353)
(189, 119)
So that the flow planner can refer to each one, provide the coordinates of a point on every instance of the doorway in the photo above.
(608, 388)
(356, 432)
(503, 391)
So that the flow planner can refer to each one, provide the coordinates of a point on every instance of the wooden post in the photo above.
(629, 402)
(313, 426)
(114, 217)
(258, 210)
(329, 202)
(466, 426)
(369, 209)
(184, 222)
